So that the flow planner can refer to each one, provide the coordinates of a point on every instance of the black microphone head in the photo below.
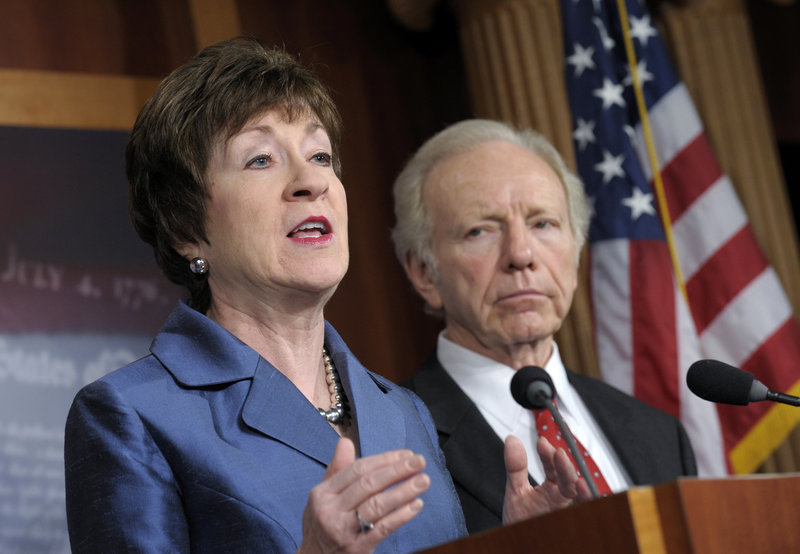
(531, 387)
(719, 382)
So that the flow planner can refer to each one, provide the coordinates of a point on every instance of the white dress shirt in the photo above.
(487, 383)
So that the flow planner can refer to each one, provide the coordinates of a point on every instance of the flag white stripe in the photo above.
(611, 296)
(673, 123)
(747, 321)
(709, 223)
(699, 417)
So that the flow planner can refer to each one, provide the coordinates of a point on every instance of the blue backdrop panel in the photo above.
(80, 295)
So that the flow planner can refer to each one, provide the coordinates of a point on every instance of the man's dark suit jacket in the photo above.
(651, 445)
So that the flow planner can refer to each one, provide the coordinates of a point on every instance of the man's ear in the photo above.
(420, 276)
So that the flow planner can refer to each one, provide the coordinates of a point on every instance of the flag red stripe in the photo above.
(774, 364)
(655, 352)
(729, 270)
(776, 361)
(689, 174)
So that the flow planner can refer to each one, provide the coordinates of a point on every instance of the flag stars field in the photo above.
(610, 93)
(641, 71)
(641, 29)
(611, 166)
(640, 203)
(581, 59)
(607, 41)
(584, 133)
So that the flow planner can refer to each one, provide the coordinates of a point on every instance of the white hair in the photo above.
(413, 231)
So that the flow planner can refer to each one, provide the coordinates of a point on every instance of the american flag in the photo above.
(648, 332)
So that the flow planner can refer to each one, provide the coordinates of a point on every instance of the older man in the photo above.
(490, 224)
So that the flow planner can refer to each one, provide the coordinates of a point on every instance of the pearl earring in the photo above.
(198, 266)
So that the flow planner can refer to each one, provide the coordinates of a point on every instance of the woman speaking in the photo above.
(249, 427)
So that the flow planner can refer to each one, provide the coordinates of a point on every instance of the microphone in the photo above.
(717, 381)
(533, 389)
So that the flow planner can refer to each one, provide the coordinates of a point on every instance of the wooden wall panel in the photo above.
(127, 37)
(71, 100)
(214, 20)
(92, 64)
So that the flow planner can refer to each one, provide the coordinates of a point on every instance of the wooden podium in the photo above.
(751, 514)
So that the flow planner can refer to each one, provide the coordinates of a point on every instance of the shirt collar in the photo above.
(488, 382)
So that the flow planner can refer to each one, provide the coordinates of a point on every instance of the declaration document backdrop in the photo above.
(80, 295)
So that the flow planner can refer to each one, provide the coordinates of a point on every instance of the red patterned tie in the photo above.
(547, 428)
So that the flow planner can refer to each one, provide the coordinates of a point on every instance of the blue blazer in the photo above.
(204, 446)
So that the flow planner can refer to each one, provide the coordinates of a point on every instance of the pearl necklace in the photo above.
(337, 412)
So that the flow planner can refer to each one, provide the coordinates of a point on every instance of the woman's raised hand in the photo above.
(353, 509)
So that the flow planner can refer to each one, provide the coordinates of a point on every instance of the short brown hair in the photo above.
(210, 98)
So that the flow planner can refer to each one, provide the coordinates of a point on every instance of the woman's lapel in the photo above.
(276, 408)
